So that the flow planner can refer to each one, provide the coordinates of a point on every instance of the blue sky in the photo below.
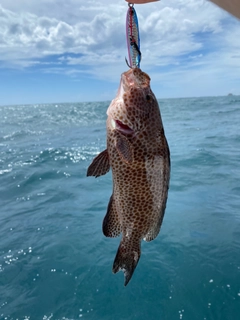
(72, 51)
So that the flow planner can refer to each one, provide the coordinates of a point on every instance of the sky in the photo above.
(54, 51)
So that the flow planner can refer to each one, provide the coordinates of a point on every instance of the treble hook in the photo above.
(128, 63)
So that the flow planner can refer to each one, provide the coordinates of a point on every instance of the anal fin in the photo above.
(152, 233)
(100, 165)
(111, 224)
(154, 230)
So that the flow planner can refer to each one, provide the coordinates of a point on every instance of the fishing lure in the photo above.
(133, 38)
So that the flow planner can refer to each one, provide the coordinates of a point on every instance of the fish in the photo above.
(138, 154)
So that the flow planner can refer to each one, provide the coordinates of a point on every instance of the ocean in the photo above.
(55, 262)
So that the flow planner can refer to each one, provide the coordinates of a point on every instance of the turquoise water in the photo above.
(55, 262)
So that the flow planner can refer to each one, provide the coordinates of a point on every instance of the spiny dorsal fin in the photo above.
(124, 148)
(100, 165)
(111, 224)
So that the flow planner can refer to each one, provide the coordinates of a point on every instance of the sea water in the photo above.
(55, 262)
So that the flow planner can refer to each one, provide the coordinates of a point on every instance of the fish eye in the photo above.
(148, 97)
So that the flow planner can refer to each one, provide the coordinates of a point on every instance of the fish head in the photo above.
(135, 107)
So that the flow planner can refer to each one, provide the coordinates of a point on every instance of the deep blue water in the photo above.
(55, 262)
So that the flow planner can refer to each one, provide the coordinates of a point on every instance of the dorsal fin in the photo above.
(111, 224)
(100, 165)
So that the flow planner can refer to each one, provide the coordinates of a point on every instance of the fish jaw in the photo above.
(129, 79)
(135, 78)
(134, 88)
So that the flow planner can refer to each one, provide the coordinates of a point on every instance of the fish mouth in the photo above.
(134, 78)
(127, 81)
(121, 127)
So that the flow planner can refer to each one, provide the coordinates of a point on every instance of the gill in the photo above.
(133, 38)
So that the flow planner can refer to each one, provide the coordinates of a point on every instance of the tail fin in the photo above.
(127, 258)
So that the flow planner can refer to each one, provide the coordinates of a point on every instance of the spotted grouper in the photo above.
(138, 154)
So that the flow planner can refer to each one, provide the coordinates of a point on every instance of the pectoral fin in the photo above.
(124, 148)
(111, 224)
(100, 165)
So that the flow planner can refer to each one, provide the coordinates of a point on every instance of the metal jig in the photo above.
(133, 38)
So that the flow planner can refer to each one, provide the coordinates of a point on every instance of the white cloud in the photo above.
(188, 35)
(26, 35)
